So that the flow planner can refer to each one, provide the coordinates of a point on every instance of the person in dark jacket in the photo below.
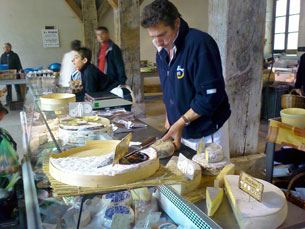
(12, 60)
(300, 79)
(110, 59)
(190, 71)
(93, 80)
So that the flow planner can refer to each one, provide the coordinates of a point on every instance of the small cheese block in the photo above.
(188, 185)
(227, 170)
(122, 198)
(141, 194)
(118, 209)
(214, 198)
(164, 148)
(84, 220)
(120, 221)
(214, 153)
(43, 138)
(250, 213)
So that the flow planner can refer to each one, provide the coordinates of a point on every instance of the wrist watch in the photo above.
(186, 120)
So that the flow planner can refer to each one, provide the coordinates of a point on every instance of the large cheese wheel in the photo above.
(270, 213)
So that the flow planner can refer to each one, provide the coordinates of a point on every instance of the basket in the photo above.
(293, 199)
(8, 74)
(292, 101)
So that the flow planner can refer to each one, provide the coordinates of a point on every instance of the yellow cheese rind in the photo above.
(188, 185)
(214, 197)
(141, 194)
(227, 170)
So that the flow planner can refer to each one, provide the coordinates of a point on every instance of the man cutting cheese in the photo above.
(189, 66)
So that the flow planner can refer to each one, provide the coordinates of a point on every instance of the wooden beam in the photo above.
(90, 24)
(241, 48)
(75, 8)
(103, 9)
(114, 4)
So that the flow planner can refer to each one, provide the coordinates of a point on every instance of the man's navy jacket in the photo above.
(193, 79)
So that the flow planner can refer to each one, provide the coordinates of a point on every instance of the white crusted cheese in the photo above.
(188, 185)
(250, 213)
(117, 209)
(214, 153)
(89, 165)
(121, 198)
(210, 169)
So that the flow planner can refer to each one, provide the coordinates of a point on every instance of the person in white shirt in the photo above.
(67, 67)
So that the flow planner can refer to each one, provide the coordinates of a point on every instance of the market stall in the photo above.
(168, 190)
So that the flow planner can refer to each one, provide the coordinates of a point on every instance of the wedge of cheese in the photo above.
(227, 170)
(250, 213)
(214, 198)
(141, 194)
(188, 185)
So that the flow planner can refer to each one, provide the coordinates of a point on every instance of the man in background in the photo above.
(67, 66)
(12, 60)
(110, 59)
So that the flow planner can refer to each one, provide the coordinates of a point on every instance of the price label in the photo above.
(186, 166)
(80, 109)
(251, 186)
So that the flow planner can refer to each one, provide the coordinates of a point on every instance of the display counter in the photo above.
(40, 139)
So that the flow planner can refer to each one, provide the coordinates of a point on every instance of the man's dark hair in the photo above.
(102, 28)
(159, 11)
(8, 44)
(85, 53)
(75, 45)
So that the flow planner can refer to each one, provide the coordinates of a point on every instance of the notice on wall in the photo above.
(50, 38)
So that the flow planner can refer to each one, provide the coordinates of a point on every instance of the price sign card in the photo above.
(186, 166)
(80, 109)
(251, 186)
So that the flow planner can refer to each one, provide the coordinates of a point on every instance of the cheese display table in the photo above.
(170, 202)
(283, 134)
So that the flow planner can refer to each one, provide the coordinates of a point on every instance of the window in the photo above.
(286, 25)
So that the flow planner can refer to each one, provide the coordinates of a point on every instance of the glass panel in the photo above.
(281, 7)
(280, 24)
(293, 23)
(294, 7)
(292, 41)
(279, 41)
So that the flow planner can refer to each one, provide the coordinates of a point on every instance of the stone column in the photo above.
(127, 36)
(238, 27)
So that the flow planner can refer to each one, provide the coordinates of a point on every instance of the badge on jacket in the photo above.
(180, 72)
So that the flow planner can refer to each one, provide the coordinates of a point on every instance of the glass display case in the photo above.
(40, 130)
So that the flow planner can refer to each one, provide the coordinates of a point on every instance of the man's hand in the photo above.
(175, 132)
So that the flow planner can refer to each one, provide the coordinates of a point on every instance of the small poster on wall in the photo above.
(50, 38)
